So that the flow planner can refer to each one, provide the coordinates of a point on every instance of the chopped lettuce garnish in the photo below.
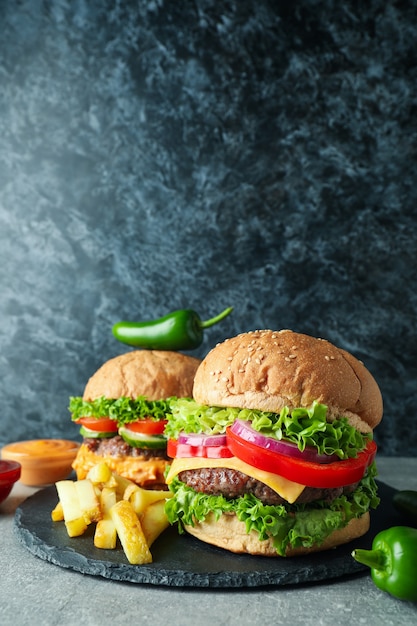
(288, 524)
(302, 426)
(122, 410)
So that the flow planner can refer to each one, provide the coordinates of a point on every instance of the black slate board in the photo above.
(183, 561)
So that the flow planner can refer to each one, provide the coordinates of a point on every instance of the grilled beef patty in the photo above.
(117, 446)
(231, 484)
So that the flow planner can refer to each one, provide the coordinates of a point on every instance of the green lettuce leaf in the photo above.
(288, 524)
(302, 426)
(123, 410)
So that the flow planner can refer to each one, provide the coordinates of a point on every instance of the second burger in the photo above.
(123, 411)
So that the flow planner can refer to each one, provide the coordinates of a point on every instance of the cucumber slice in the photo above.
(139, 440)
(95, 434)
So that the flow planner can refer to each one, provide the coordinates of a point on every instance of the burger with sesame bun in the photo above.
(123, 412)
(274, 454)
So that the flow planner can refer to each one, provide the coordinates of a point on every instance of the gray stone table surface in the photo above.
(34, 591)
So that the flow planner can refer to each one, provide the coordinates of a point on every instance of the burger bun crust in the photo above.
(230, 534)
(155, 374)
(267, 370)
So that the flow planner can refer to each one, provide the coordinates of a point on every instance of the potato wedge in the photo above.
(76, 527)
(89, 502)
(118, 507)
(57, 514)
(130, 533)
(101, 475)
(154, 521)
(122, 484)
(142, 498)
(130, 491)
(105, 535)
(73, 516)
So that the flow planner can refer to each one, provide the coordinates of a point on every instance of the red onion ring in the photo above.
(199, 439)
(244, 430)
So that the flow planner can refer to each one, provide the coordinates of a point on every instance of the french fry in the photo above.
(76, 527)
(101, 474)
(142, 498)
(105, 535)
(73, 517)
(122, 484)
(97, 490)
(130, 491)
(130, 533)
(107, 500)
(57, 514)
(154, 521)
(119, 508)
(89, 502)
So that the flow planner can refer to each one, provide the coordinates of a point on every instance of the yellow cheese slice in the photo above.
(144, 472)
(284, 487)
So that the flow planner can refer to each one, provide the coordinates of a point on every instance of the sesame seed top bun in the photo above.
(155, 374)
(268, 370)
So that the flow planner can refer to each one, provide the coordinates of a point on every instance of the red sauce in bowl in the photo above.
(9, 474)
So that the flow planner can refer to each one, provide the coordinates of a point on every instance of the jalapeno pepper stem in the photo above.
(375, 559)
(216, 319)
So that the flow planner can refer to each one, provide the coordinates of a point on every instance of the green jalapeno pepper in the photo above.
(180, 330)
(405, 502)
(393, 561)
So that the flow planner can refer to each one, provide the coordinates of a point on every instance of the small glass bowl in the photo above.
(9, 474)
(43, 461)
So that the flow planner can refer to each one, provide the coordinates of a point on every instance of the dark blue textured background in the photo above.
(160, 155)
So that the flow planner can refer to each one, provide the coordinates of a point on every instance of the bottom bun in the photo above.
(229, 533)
(145, 472)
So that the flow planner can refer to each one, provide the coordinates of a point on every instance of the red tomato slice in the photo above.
(172, 446)
(185, 450)
(147, 426)
(337, 474)
(99, 424)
